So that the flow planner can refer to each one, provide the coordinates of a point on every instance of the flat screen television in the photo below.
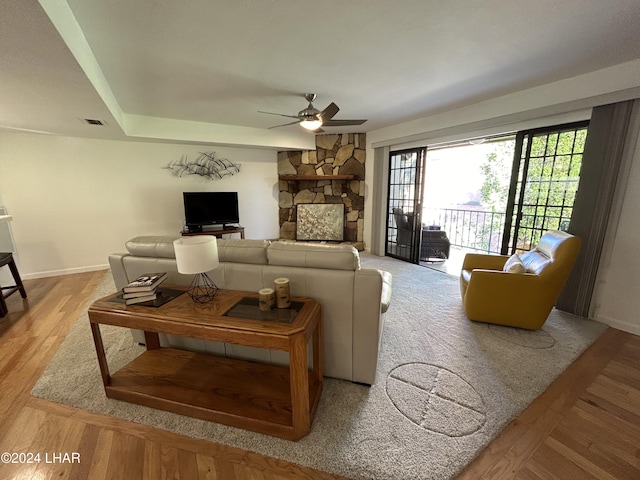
(210, 208)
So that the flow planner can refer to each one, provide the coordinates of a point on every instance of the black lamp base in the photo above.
(202, 289)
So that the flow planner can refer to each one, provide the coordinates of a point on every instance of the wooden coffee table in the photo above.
(271, 399)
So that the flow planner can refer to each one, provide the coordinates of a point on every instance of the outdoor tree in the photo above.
(496, 170)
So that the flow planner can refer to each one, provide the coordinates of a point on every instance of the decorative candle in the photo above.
(283, 296)
(267, 299)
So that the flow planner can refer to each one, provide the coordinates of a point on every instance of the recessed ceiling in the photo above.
(218, 62)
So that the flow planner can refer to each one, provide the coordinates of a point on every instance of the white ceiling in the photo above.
(132, 63)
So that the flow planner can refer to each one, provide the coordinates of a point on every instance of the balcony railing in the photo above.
(471, 229)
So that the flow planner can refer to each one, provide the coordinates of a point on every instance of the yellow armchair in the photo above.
(524, 300)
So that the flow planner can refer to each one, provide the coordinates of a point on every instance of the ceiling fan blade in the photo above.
(342, 123)
(279, 114)
(284, 125)
(328, 113)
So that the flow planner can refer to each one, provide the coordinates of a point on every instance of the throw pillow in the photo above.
(514, 265)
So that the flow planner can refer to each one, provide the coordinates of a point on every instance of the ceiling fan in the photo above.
(312, 119)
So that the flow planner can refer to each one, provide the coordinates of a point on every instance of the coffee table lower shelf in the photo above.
(244, 394)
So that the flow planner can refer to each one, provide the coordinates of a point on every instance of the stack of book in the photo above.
(144, 288)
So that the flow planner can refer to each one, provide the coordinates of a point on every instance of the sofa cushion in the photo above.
(159, 246)
(313, 255)
(514, 265)
(535, 261)
(243, 251)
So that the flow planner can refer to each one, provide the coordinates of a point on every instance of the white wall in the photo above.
(76, 200)
(615, 301)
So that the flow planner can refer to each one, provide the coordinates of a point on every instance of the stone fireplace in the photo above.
(333, 173)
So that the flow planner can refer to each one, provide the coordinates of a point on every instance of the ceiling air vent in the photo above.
(91, 121)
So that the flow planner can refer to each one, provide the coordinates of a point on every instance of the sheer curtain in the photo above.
(612, 136)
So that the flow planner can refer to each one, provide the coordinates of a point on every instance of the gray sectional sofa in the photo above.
(353, 299)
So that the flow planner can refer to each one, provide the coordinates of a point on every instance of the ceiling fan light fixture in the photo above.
(312, 119)
(311, 124)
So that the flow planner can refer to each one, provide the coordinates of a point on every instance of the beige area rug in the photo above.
(445, 388)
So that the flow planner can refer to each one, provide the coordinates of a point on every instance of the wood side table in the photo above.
(217, 233)
(271, 399)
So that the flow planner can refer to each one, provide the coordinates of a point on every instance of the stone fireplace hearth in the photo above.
(333, 173)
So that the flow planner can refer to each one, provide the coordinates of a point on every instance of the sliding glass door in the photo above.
(544, 182)
(404, 224)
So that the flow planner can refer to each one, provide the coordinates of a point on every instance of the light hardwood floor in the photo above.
(586, 425)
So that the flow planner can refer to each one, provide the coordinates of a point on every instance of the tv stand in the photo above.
(216, 231)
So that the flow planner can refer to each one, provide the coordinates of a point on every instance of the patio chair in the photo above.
(434, 244)
(404, 229)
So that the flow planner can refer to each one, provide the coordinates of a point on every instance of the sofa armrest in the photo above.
(369, 289)
(485, 282)
(480, 260)
(118, 271)
(385, 298)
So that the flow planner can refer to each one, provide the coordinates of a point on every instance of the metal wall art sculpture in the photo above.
(206, 165)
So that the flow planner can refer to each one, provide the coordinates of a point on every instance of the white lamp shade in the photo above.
(196, 254)
(311, 124)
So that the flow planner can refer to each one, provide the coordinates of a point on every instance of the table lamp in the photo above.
(198, 255)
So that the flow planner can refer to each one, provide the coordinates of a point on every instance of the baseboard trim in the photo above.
(628, 327)
(66, 271)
